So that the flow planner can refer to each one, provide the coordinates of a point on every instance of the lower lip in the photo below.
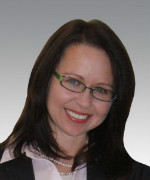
(80, 121)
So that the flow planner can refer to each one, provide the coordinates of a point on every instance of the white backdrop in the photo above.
(25, 26)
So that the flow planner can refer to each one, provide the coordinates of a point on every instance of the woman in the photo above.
(79, 97)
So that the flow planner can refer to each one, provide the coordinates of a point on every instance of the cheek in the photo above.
(103, 110)
(57, 97)
(106, 108)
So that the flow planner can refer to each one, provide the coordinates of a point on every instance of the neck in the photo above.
(70, 144)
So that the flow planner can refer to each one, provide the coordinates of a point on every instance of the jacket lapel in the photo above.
(18, 169)
(95, 173)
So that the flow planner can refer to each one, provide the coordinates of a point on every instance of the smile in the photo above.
(77, 117)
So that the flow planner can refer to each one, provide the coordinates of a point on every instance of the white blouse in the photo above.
(45, 169)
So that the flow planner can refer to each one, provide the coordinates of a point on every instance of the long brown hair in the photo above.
(105, 145)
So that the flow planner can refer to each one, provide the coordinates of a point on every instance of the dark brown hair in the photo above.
(105, 145)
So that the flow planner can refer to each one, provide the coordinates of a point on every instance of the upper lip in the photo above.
(77, 112)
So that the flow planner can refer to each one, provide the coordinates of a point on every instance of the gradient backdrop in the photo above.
(25, 26)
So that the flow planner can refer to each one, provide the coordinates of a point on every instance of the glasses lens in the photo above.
(72, 84)
(99, 93)
(103, 94)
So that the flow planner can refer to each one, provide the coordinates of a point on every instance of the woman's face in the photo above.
(74, 114)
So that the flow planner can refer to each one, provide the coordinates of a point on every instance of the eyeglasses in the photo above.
(74, 85)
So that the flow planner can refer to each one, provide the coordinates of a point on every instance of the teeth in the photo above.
(77, 116)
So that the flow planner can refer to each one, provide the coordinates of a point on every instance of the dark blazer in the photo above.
(21, 169)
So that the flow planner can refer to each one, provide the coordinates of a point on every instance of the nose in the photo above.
(84, 98)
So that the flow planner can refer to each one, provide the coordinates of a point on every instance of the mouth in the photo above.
(77, 116)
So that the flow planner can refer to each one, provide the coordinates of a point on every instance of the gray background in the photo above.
(25, 26)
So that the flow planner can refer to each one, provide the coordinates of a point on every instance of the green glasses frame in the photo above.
(60, 78)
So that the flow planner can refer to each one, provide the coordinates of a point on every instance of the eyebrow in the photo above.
(82, 79)
(77, 75)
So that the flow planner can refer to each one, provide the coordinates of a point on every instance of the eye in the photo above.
(101, 90)
(73, 81)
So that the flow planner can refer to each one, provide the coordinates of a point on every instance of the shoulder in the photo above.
(1, 152)
(139, 171)
(8, 161)
(18, 168)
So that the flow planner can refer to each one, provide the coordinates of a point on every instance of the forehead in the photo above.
(89, 62)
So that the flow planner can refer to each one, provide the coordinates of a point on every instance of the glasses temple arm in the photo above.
(58, 76)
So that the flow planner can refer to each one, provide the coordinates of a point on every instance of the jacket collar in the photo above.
(18, 169)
